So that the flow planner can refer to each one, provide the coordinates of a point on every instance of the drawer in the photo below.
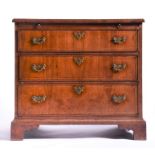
(77, 99)
(71, 41)
(78, 67)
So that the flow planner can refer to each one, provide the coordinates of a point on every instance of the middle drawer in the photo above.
(77, 67)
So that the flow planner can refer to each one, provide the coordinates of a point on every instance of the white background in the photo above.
(75, 139)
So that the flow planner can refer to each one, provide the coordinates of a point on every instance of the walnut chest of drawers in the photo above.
(78, 72)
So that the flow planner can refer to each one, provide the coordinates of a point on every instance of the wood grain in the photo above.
(64, 68)
(58, 41)
(62, 99)
(62, 104)
(79, 21)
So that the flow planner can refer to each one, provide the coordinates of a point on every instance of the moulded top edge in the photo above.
(79, 21)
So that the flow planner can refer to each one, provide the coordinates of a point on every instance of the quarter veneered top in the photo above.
(80, 21)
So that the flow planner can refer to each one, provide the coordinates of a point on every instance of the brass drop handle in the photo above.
(38, 99)
(79, 35)
(38, 40)
(118, 67)
(38, 67)
(78, 89)
(78, 60)
(119, 40)
(118, 98)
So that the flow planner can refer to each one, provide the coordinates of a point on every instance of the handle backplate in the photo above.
(38, 40)
(38, 99)
(118, 98)
(119, 40)
(38, 67)
(118, 67)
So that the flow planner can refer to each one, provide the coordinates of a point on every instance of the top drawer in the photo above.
(74, 40)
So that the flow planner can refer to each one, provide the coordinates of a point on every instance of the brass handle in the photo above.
(38, 67)
(78, 89)
(78, 60)
(118, 40)
(38, 41)
(38, 99)
(118, 67)
(79, 35)
(118, 99)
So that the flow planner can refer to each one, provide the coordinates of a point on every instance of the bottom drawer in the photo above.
(77, 99)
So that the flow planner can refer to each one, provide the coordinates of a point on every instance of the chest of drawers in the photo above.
(78, 72)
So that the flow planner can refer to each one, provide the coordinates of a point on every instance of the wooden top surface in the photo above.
(80, 21)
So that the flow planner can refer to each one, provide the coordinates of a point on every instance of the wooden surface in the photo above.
(64, 68)
(65, 41)
(61, 75)
(79, 21)
(96, 99)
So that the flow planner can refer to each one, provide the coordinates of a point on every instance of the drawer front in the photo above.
(74, 99)
(69, 41)
(84, 67)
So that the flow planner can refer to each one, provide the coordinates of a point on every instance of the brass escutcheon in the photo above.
(79, 35)
(78, 89)
(78, 60)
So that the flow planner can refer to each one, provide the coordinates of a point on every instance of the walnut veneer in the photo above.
(78, 72)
